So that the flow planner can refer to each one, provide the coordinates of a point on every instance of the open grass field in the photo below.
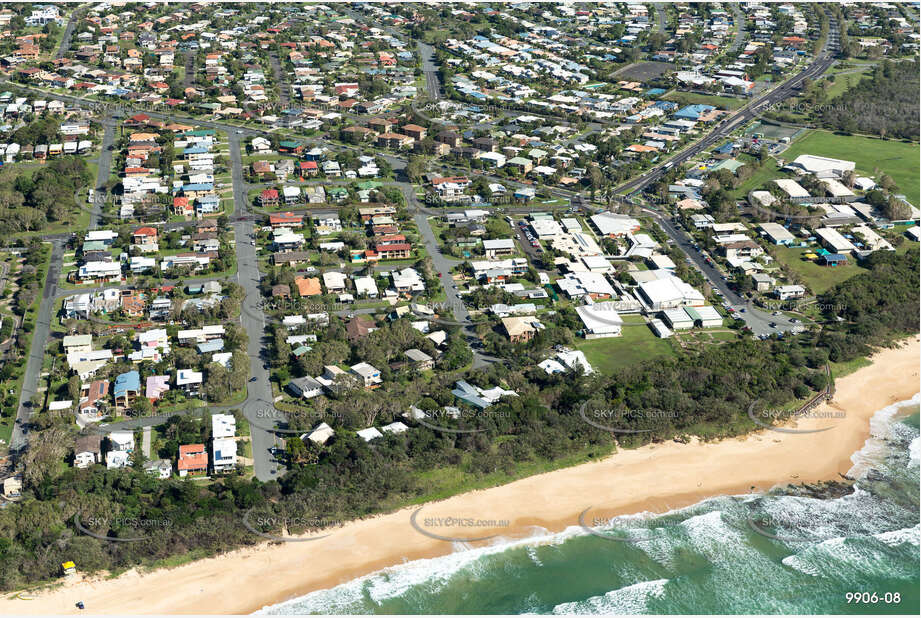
(768, 171)
(636, 344)
(690, 98)
(898, 159)
(818, 279)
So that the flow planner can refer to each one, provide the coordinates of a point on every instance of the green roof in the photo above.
(199, 132)
(337, 191)
(693, 313)
(728, 164)
(289, 144)
(368, 184)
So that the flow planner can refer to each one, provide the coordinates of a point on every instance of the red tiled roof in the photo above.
(193, 457)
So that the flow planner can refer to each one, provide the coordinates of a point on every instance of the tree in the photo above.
(415, 168)
(142, 407)
(73, 388)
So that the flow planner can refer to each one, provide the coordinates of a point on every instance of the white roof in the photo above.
(395, 427)
(321, 433)
(187, 376)
(611, 223)
(791, 187)
(707, 313)
(677, 316)
(836, 189)
(670, 290)
(776, 231)
(581, 283)
(101, 235)
(224, 449)
(365, 285)
(369, 434)
(499, 243)
(838, 242)
(574, 359)
(333, 279)
(814, 164)
(764, 197)
(600, 318)
(223, 425)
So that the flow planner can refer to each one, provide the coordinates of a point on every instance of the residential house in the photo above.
(193, 460)
(126, 389)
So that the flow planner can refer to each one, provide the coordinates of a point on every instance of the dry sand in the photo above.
(653, 478)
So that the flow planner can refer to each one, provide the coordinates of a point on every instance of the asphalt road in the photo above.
(284, 90)
(430, 70)
(759, 321)
(727, 126)
(68, 34)
(103, 171)
(443, 266)
(660, 17)
(259, 391)
(189, 76)
(739, 18)
(37, 351)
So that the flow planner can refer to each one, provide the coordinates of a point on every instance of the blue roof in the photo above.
(654, 92)
(724, 149)
(194, 150)
(125, 382)
(468, 393)
(198, 186)
(693, 112)
(215, 345)
(835, 257)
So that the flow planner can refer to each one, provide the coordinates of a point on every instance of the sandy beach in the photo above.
(654, 478)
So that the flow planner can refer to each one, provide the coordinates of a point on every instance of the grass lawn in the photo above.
(844, 82)
(818, 278)
(898, 159)
(769, 170)
(690, 98)
(636, 344)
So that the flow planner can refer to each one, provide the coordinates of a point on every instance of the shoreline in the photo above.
(653, 479)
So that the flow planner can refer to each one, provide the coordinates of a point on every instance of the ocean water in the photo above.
(778, 553)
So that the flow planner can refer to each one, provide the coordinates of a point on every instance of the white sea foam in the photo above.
(875, 449)
(394, 581)
(627, 600)
(797, 563)
(895, 538)
(705, 532)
